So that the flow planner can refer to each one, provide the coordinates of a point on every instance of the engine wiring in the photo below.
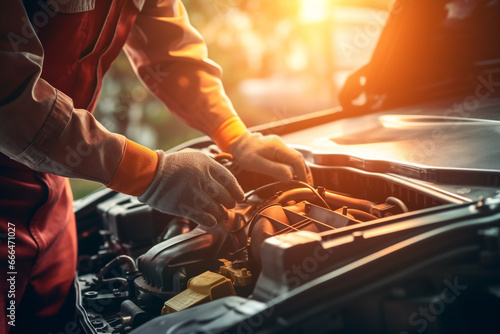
(291, 182)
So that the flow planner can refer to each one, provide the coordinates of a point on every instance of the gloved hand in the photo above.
(270, 156)
(191, 184)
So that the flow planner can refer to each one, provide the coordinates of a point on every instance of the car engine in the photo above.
(136, 263)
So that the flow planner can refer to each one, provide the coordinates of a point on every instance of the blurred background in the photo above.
(280, 59)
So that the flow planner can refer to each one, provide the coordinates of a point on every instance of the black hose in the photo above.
(121, 259)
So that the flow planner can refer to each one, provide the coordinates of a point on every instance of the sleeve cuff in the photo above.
(228, 132)
(136, 171)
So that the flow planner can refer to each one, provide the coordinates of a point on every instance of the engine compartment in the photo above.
(136, 263)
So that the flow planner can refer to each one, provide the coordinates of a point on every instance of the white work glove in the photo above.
(193, 185)
(270, 156)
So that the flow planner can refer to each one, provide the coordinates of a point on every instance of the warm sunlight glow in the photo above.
(314, 10)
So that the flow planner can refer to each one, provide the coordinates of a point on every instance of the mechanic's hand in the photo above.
(270, 156)
(191, 184)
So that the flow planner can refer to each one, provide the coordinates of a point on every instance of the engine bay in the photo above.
(136, 264)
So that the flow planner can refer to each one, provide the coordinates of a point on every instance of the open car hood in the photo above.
(400, 233)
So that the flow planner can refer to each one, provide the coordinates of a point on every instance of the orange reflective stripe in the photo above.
(227, 133)
(136, 171)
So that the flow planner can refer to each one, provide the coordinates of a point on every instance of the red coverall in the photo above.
(53, 55)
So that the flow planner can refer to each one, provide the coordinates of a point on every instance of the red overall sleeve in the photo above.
(170, 57)
(40, 127)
